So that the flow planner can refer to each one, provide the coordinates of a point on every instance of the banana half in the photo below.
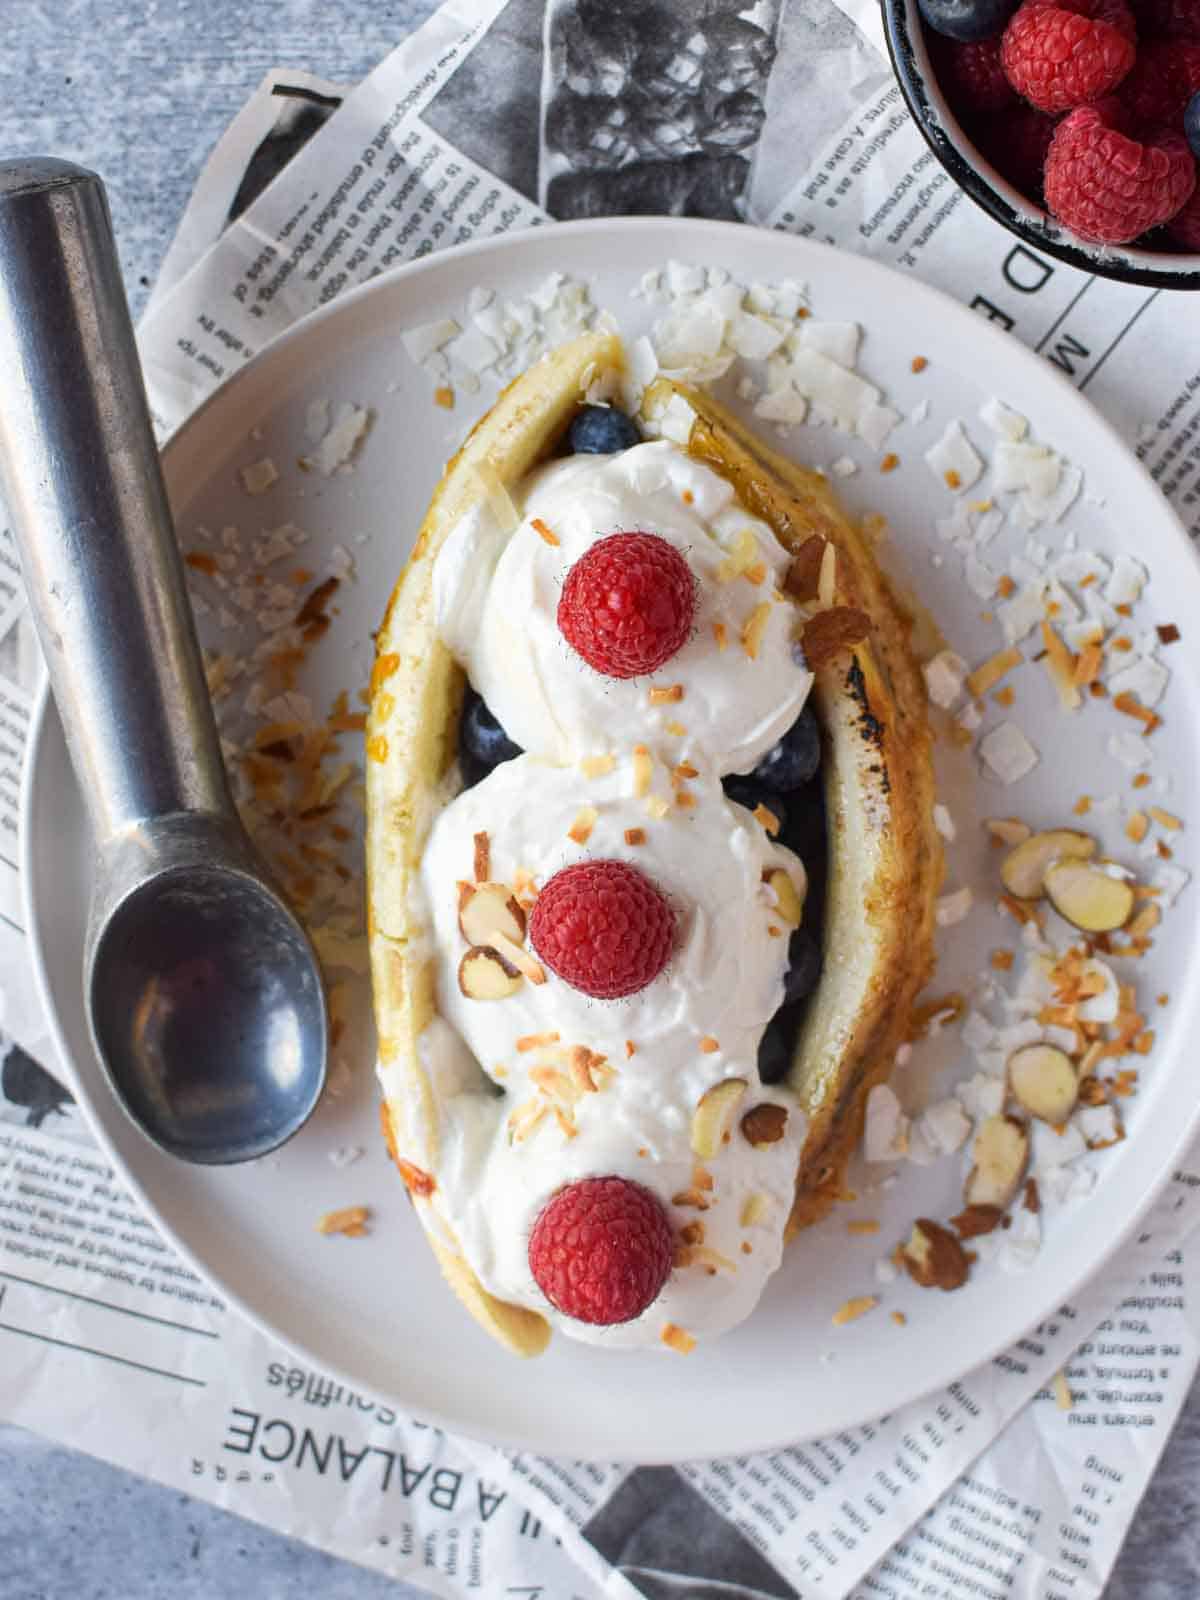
(884, 854)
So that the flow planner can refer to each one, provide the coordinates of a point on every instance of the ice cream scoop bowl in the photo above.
(203, 993)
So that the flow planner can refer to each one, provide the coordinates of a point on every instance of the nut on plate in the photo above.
(933, 1257)
(764, 1125)
(713, 1117)
(1089, 897)
(1001, 1150)
(1024, 870)
(1043, 1081)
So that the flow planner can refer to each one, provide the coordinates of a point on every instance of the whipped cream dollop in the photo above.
(496, 593)
(652, 1056)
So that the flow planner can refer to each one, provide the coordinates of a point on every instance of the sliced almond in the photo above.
(764, 1125)
(788, 903)
(1001, 1149)
(933, 1257)
(1024, 869)
(1091, 899)
(483, 975)
(486, 909)
(518, 958)
(1043, 1081)
(713, 1117)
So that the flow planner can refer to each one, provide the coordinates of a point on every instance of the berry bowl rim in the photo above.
(904, 32)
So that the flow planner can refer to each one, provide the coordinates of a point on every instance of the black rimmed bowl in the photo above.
(974, 173)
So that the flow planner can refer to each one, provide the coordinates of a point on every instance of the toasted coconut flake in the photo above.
(519, 958)
(349, 1220)
(630, 1049)
(675, 729)
(523, 1119)
(863, 1225)
(918, 364)
(756, 574)
(597, 766)
(543, 532)
(684, 771)
(851, 1310)
(1137, 827)
(1005, 587)
(1061, 665)
(720, 634)
(712, 1260)
(585, 820)
(755, 627)
(665, 694)
(535, 1041)
(1002, 960)
(1082, 806)
(890, 462)
(1130, 707)
(996, 667)
(767, 817)
(1008, 830)
(702, 1178)
(685, 800)
(1165, 819)
(677, 1339)
(1087, 664)
(643, 770)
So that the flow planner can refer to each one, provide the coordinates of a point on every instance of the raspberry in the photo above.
(1184, 226)
(1015, 142)
(1164, 78)
(1168, 19)
(627, 605)
(603, 927)
(970, 75)
(1109, 186)
(601, 1250)
(1065, 53)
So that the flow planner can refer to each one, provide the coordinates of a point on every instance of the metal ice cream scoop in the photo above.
(202, 990)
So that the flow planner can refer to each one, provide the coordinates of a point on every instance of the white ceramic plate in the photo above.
(374, 1310)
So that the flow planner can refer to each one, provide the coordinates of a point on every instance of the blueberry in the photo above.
(795, 759)
(805, 832)
(967, 20)
(601, 431)
(804, 966)
(1191, 124)
(482, 742)
(749, 793)
(777, 1043)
